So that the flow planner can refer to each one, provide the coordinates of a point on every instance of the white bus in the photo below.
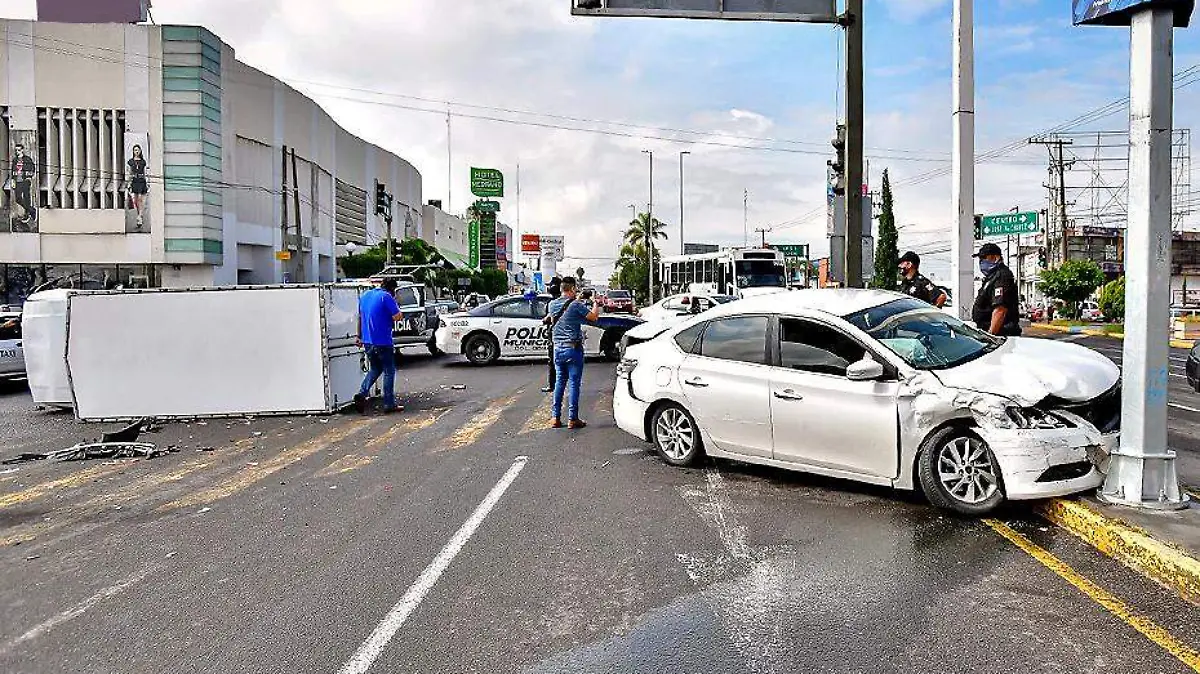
(727, 272)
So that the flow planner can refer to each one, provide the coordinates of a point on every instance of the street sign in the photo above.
(808, 11)
(795, 250)
(473, 244)
(1009, 223)
(487, 182)
(554, 247)
(283, 255)
(487, 206)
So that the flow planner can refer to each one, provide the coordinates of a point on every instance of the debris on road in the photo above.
(9, 471)
(459, 387)
(203, 510)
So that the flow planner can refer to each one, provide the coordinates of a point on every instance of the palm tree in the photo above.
(636, 234)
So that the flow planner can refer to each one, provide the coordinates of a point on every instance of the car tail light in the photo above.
(625, 367)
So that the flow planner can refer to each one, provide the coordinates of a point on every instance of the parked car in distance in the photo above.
(877, 387)
(619, 302)
(1090, 311)
(677, 307)
(12, 354)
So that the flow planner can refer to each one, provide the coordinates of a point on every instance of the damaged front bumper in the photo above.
(1043, 463)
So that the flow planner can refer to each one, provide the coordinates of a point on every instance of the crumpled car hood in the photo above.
(1027, 370)
(650, 329)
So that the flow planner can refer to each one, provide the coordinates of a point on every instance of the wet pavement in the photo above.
(290, 542)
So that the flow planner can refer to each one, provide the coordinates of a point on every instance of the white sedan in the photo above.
(511, 327)
(876, 387)
(676, 308)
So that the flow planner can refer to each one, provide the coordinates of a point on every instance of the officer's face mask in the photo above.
(986, 266)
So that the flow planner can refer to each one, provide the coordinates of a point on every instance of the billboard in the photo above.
(137, 185)
(531, 244)
(487, 182)
(22, 193)
(700, 248)
(809, 11)
(1119, 12)
(93, 11)
(554, 247)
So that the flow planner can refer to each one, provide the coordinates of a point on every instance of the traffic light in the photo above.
(837, 166)
(1042, 257)
(978, 227)
(381, 198)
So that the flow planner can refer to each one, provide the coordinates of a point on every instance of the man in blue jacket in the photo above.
(377, 315)
(568, 315)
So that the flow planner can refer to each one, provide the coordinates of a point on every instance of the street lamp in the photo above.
(650, 228)
(351, 248)
(682, 245)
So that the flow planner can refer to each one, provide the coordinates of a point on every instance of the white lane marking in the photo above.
(1182, 407)
(370, 649)
(78, 609)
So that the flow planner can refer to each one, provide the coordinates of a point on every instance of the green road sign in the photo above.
(473, 243)
(796, 250)
(1009, 223)
(487, 206)
(487, 182)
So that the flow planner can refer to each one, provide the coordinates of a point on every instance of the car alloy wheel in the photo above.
(957, 472)
(676, 436)
(482, 350)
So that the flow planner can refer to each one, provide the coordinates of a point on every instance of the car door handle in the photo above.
(695, 381)
(788, 394)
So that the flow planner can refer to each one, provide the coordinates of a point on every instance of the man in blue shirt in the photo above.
(568, 315)
(377, 314)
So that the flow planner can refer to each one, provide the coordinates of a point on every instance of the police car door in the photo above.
(516, 329)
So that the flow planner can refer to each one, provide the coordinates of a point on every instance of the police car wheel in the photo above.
(482, 350)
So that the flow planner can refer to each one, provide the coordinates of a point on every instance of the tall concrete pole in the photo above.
(962, 276)
(854, 143)
(681, 243)
(650, 230)
(1142, 471)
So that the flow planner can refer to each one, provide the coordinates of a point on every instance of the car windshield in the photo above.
(759, 274)
(924, 337)
(618, 294)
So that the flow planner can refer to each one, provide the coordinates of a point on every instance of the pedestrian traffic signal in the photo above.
(978, 227)
(837, 166)
(381, 199)
(1042, 257)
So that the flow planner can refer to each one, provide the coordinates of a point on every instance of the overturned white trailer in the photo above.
(200, 352)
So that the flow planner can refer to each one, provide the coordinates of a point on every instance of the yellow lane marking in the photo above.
(540, 418)
(345, 464)
(1131, 546)
(471, 432)
(255, 473)
(73, 480)
(102, 503)
(351, 462)
(1148, 628)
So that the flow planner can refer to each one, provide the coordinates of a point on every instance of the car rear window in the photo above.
(618, 294)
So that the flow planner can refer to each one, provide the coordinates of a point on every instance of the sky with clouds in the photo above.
(761, 98)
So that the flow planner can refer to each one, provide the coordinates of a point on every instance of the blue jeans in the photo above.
(568, 366)
(383, 362)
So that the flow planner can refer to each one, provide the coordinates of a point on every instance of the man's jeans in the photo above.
(383, 362)
(568, 363)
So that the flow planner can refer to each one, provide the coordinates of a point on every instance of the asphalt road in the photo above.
(463, 535)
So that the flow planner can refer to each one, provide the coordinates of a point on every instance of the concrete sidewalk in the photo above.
(1095, 332)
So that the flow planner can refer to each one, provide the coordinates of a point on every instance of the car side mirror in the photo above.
(864, 370)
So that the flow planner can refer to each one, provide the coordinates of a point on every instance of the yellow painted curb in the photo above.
(1175, 343)
(1131, 546)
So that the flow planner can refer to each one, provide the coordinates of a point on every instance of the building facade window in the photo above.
(350, 213)
(81, 153)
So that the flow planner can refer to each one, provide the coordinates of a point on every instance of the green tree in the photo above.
(636, 234)
(1112, 299)
(631, 272)
(1072, 282)
(887, 256)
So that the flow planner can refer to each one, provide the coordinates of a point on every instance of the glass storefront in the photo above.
(18, 281)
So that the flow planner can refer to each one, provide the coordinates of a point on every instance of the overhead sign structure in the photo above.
(531, 244)
(487, 182)
(1120, 12)
(804, 11)
(1009, 223)
(794, 250)
(473, 244)
(487, 206)
(553, 247)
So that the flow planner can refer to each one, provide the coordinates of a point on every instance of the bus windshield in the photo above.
(759, 274)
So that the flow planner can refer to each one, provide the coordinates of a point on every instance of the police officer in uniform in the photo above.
(914, 284)
(995, 309)
(554, 288)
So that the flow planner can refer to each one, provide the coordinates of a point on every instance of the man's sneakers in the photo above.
(360, 403)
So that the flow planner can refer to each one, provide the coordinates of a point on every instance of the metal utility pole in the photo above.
(745, 218)
(449, 165)
(1058, 192)
(299, 261)
(1142, 470)
(763, 231)
(681, 243)
(962, 268)
(283, 222)
(650, 228)
(853, 22)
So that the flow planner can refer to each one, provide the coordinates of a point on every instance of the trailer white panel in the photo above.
(44, 333)
(201, 352)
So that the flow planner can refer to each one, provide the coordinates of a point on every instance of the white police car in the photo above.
(511, 327)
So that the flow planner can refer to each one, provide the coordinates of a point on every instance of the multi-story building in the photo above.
(149, 155)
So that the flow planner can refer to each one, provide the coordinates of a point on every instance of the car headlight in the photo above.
(1032, 417)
